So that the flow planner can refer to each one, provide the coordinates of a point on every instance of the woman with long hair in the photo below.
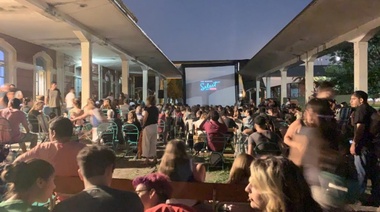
(94, 115)
(177, 164)
(35, 111)
(315, 148)
(240, 172)
(27, 104)
(76, 111)
(29, 182)
(277, 184)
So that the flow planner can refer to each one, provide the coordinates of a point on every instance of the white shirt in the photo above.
(69, 100)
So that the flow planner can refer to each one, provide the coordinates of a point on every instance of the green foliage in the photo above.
(175, 88)
(341, 72)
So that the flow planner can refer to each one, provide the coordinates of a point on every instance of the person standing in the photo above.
(149, 137)
(362, 147)
(69, 99)
(54, 99)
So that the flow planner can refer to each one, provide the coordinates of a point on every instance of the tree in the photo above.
(175, 88)
(341, 70)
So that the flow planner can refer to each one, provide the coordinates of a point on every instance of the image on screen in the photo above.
(210, 85)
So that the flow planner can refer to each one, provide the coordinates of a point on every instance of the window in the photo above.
(2, 67)
(40, 76)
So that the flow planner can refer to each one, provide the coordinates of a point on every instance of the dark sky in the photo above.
(213, 29)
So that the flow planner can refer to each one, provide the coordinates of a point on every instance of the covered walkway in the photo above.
(63, 41)
(319, 29)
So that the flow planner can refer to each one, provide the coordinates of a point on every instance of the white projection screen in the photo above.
(210, 85)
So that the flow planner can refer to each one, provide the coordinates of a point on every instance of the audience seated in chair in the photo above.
(177, 164)
(277, 184)
(61, 151)
(96, 166)
(30, 181)
(239, 173)
(214, 128)
(15, 118)
(263, 141)
(154, 190)
(35, 111)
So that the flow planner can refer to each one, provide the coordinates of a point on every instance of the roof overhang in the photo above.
(320, 27)
(108, 23)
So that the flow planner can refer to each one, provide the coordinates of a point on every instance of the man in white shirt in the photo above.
(69, 99)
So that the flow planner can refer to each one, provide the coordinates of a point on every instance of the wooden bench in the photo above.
(181, 190)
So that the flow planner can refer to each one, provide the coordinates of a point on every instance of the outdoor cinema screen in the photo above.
(210, 85)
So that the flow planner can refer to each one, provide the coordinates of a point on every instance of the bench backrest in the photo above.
(181, 190)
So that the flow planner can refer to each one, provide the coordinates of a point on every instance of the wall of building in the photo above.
(25, 69)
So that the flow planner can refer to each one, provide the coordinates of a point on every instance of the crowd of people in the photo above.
(315, 159)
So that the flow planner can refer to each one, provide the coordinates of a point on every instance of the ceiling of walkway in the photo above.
(321, 25)
(51, 23)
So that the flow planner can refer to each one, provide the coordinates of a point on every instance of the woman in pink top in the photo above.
(61, 151)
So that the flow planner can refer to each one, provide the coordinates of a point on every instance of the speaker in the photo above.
(160, 94)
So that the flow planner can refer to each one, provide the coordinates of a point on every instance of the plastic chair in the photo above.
(82, 131)
(108, 130)
(131, 134)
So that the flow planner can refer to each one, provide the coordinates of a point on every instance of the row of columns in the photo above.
(360, 46)
(86, 59)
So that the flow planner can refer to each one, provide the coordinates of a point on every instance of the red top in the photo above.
(215, 131)
(170, 208)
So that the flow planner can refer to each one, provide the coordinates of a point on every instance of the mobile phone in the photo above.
(351, 141)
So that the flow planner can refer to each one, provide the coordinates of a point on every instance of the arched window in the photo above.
(2, 67)
(40, 76)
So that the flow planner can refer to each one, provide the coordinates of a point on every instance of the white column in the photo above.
(100, 82)
(268, 86)
(125, 75)
(86, 56)
(361, 66)
(61, 72)
(144, 84)
(157, 85)
(309, 78)
(257, 92)
(133, 86)
(165, 91)
(284, 92)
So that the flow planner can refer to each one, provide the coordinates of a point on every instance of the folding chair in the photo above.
(161, 128)
(43, 122)
(189, 133)
(216, 144)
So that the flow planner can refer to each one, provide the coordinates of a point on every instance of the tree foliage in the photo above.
(341, 72)
(175, 88)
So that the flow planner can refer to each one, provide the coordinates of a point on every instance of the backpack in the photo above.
(375, 125)
(267, 147)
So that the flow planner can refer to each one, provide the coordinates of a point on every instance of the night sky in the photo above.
(213, 29)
